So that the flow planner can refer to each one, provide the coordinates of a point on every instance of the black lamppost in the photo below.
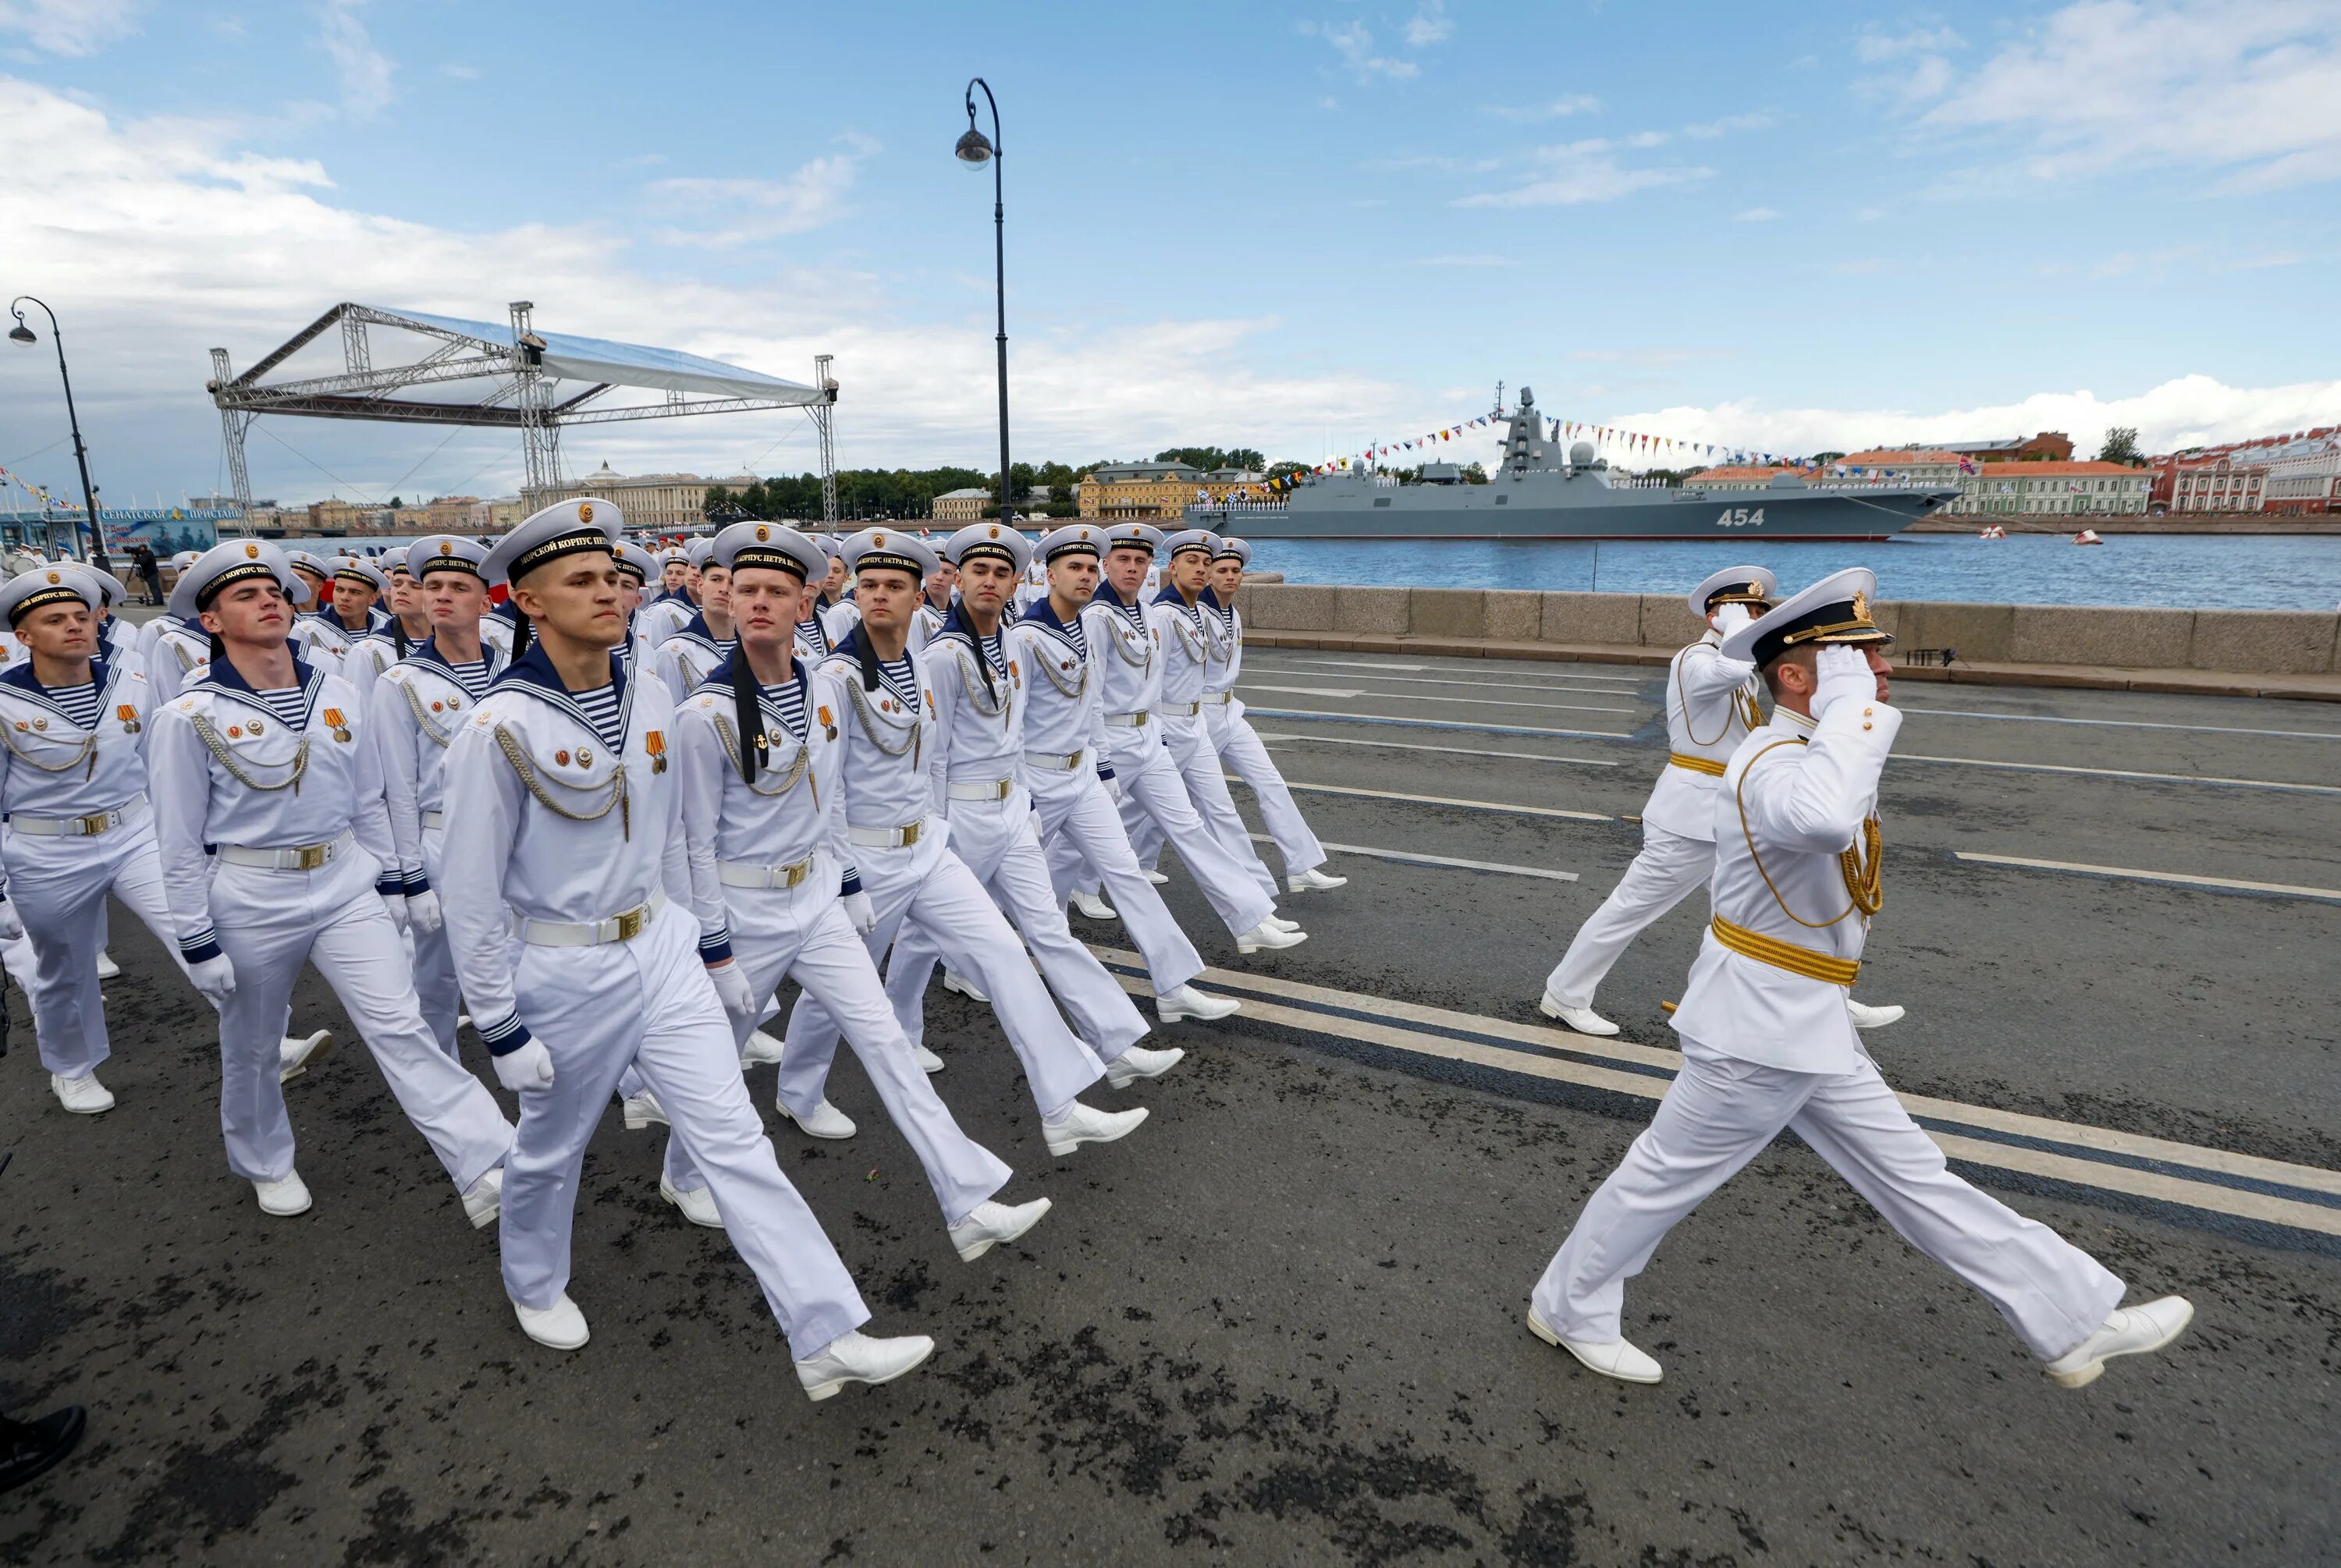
(974, 151)
(21, 333)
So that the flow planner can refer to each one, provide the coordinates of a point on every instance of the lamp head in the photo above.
(21, 333)
(974, 149)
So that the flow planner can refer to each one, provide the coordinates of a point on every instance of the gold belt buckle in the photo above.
(1139, 722)
(92, 826)
(630, 923)
(1073, 761)
(792, 875)
(309, 857)
(1001, 790)
(911, 834)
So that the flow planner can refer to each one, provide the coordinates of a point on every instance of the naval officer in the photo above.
(266, 765)
(562, 811)
(1767, 1043)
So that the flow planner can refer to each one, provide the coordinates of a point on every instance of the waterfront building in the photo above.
(2305, 474)
(962, 506)
(1120, 493)
(1741, 475)
(498, 516)
(2048, 446)
(1917, 465)
(2295, 472)
(660, 503)
(2053, 490)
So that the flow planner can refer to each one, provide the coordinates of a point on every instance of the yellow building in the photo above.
(663, 502)
(961, 505)
(1160, 490)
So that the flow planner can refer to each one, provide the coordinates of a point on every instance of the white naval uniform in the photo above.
(1711, 707)
(1239, 747)
(588, 843)
(371, 655)
(688, 656)
(1186, 653)
(814, 641)
(177, 654)
(975, 756)
(768, 863)
(1765, 1048)
(229, 772)
(659, 619)
(416, 707)
(925, 621)
(1065, 768)
(901, 846)
(320, 638)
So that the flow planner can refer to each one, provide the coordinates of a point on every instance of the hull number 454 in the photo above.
(1740, 517)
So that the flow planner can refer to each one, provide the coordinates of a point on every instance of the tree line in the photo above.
(879, 495)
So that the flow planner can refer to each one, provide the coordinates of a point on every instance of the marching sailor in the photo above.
(769, 874)
(267, 761)
(563, 811)
(833, 605)
(671, 611)
(176, 648)
(976, 758)
(117, 640)
(874, 692)
(404, 626)
(693, 651)
(375, 635)
(636, 567)
(317, 631)
(148, 632)
(935, 599)
(1767, 1043)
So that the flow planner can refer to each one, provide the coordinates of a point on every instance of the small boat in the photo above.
(2088, 536)
(1993, 531)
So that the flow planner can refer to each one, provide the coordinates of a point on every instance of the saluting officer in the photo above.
(266, 762)
(561, 810)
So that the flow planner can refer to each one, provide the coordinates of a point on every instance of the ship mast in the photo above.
(1499, 400)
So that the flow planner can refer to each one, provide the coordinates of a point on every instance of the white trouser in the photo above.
(1720, 1112)
(1197, 762)
(436, 986)
(1151, 787)
(802, 932)
(994, 839)
(1669, 868)
(59, 885)
(269, 924)
(928, 885)
(1083, 832)
(648, 1003)
(1239, 747)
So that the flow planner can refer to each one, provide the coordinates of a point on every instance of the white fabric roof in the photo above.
(572, 357)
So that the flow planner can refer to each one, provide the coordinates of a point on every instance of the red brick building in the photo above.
(2048, 446)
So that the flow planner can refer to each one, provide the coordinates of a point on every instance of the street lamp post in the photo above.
(21, 334)
(974, 151)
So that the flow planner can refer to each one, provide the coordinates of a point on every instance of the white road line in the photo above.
(1307, 691)
(2128, 874)
(2120, 773)
(1437, 751)
(1443, 800)
(2124, 723)
(1414, 858)
(1441, 724)
(1244, 686)
(1509, 685)
(1459, 667)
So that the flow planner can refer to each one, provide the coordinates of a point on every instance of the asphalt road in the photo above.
(1282, 1322)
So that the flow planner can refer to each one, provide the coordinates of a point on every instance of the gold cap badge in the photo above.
(995, 530)
(584, 511)
(877, 539)
(762, 533)
(252, 552)
(1861, 606)
(446, 547)
(55, 577)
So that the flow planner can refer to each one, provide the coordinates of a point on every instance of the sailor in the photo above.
(1767, 1043)
(976, 757)
(402, 624)
(636, 567)
(176, 648)
(935, 599)
(1034, 586)
(562, 809)
(873, 692)
(317, 632)
(834, 605)
(269, 760)
(1073, 786)
(117, 640)
(671, 611)
(693, 651)
(813, 643)
(359, 587)
(761, 815)
(148, 632)
(416, 707)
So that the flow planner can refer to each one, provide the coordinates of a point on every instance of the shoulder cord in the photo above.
(186, 663)
(1862, 865)
(300, 764)
(85, 752)
(1742, 706)
(518, 757)
(1218, 639)
(1078, 689)
(915, 743)
(1002, 700)
(1119, 625)
(799, 769)
(437, 736)
(1184, 622)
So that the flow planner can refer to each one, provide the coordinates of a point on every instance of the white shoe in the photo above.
(952, 982)
(1090, 906)
(1155, 876)
(993, 1223)
(854, 1356)
(1083, 1124)
(1138, 1062)
(1619, 1358)
(761, 1051)
(1281, 923)
(927, 1061)
(84, 1095)
(1869, 1017)
(2130, 1330)
(560, 1327)
(1187, 1002)
(823, 1121)
(1314, 880)
(485, 1200)
(1584, 1020)
(283, 1198)
(643, 1111)
(698, 1205)
(1267, 933)
(298, 1053)
(107, 969)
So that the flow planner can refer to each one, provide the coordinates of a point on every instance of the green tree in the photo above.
(395, 503)
(1474, 474)
(2121, 446)
(1286, 468)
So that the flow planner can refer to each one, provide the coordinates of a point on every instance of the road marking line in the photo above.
(2213, 1181)
(1308, 690)
(2128, 874)
(1514, 685)
(1439, 750)
(2123, 773)
(1507, 809)
(2126, 723)
(1244, 686)
(1415, 857)
(1440, 724)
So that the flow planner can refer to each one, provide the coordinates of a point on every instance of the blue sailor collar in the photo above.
(428, 652)
(222, 675)
(533, 672)
(696, 629)
(103, 674)
(1039, 612)
(720, 677)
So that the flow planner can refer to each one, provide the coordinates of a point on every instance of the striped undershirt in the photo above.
(897, 676)
(787, 700)
(80, 702)
(471, 677)
(289, 703)
(601, 706)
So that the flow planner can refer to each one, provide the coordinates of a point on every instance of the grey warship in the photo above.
(1540, 491)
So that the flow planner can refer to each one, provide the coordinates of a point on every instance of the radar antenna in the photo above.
(1499, 400)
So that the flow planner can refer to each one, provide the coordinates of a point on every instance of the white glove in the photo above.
(1113, 790)
(396, 904)
(10, 925)
(529, 1067)
(859, 910)
(1730, 618)
(732, 989)
(1842, 675)
(215, 978)
(423, 909)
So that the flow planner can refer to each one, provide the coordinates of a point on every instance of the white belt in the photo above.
(1217, 698)
(1055, 761)
(901, 837)
(300, 858)
(622, 926)
(990, 789)
(743, 874)
(435, 818)
(1178, 710)
(1125, 720)
(88, 827)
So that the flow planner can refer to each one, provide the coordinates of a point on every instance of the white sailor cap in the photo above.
(749, 545)
(1835, 610)
(989, 541)
(699, 550)
(303, 560)
(46, 585)
(109, 586)
(889, 548)
(1072, 539)
(184, 558)
(354, 570)
(393, 560)
(673, 552)
(223, 565)
(1188, 539)
(447, 552)
(634, 561)
(830, 545)
(1133, 536)
(564, 528)
(1232, 548)
(1750, 585)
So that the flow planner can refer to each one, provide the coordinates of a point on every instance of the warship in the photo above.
(1539, 491)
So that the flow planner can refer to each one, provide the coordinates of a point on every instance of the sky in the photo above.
(1301, 227)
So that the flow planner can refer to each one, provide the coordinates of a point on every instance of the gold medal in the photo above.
(342, 736)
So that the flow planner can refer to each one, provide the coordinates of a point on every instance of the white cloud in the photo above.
(1875, 47)
(752, 211)
(1555, 109)
(1430, 25)
(365, 70)
(1708, 130)
(69, 26)
(456, 72)
(1756, 215)
(1588, 171)
(1354, 42)
(1466, 260)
